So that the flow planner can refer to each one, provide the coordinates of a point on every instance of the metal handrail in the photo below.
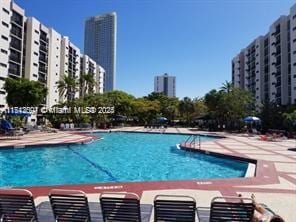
(192, 141)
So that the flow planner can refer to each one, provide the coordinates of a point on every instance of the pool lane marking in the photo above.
(97, 166)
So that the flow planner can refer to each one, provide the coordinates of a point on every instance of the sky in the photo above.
(194, 40)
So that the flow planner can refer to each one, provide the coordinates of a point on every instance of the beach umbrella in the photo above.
(162, 119)
(250, 119)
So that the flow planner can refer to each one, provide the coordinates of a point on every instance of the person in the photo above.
(262, 214)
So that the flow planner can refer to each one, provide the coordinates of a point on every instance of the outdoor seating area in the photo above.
(73, 205)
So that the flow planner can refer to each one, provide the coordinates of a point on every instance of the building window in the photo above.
(35, 64)
(3, 65)
(5, 24)
(4, 37)
(35, 75)
(36, 31)
(35, 53)
(5, 10)
(37, 43)
(4, 51)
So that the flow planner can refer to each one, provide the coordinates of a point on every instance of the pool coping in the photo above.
(82, 142)
(252, 163)
(224, 185)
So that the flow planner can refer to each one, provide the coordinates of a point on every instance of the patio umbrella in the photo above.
(250, 119)
(162, 119)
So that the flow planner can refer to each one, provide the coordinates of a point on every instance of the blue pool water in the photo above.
(119, 157)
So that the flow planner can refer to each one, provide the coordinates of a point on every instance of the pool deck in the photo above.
(274, 183)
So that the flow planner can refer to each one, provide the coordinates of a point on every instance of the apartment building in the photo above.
(70, 65)
(30, 49)
(267, 66)
(36, 51)
(11, 43)
(54, 66)
(100, 79)
(100, 44)
(165, 84)
(87, 66)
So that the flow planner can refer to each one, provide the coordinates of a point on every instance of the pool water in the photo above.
(118, 157)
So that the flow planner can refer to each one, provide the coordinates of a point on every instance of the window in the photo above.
(2, 92)
(17, 18)
(4, 37)
(35, 64)
(5, 24)
(35, 53)
(36, 31)
(3, 65)
(16, 30)
(37, 43)
(4, 51)
(5, 10)
(35, 75)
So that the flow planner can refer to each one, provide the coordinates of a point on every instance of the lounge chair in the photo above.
(171, 208)
(17, 205)
(228, 209)
(69, 205)
(120, 207)
(7, 127)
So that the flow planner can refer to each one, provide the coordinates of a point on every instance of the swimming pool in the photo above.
(118, 157)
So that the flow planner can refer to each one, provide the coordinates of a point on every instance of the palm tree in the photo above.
(87, 83)
(67, 86)
(227, 87)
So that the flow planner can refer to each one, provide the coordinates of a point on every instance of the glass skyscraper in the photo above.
(100, 44)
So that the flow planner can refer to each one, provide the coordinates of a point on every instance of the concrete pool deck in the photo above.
(274, 183)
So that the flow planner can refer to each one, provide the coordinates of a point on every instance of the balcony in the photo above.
(16, 43)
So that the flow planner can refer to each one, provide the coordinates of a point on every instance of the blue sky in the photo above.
(194, 40)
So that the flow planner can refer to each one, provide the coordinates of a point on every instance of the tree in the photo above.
(146, 110)
(290, 120)
(227, 87)
(168, 106)
(186, 107)
(87, 84)
(229, 106)
(24, 93)
(67, 86)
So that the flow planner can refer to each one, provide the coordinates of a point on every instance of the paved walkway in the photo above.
(43, 138)
(274, 183)
(275, 180)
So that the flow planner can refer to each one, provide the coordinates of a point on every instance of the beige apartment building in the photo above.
(30, 49)
(267, 66)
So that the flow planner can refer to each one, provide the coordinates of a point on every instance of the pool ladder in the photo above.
(194, 141)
